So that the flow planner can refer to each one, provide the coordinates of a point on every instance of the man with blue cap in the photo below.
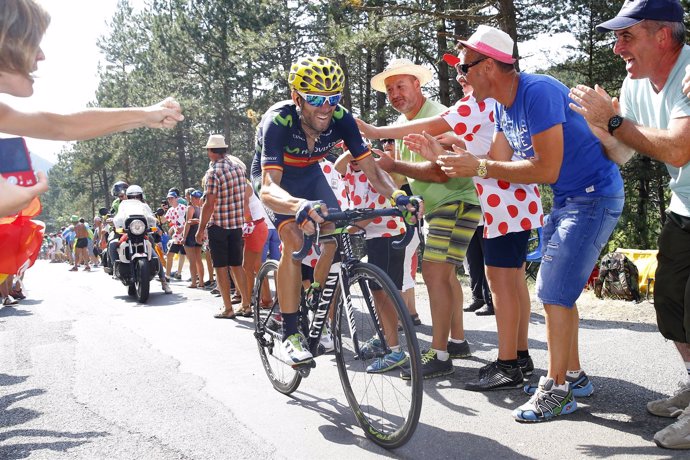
(653, 119)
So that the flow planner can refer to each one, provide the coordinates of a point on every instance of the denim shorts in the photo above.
(574, 235)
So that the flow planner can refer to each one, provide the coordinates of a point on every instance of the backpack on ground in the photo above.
(618, 278)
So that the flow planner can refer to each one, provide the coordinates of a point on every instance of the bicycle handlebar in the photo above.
(350, 217)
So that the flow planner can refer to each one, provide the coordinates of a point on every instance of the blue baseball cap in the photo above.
(636, 11)
(196, 194)
(172, 195)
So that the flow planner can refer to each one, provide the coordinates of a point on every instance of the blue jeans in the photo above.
(574, 235)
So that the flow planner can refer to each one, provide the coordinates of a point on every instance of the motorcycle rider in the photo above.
(134, 192)
(118, 191)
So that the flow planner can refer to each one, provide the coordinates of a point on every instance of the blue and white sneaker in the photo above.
(581, 386)
(390, 361)
(295, 351)
(546, 403)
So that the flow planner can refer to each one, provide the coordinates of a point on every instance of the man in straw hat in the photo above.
(653, 119)
(452, 213)
(556, 147)
(223, 212)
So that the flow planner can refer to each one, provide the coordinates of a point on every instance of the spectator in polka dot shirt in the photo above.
(510, 212)
(380, 233)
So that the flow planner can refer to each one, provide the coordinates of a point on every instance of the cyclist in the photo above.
(292, 137)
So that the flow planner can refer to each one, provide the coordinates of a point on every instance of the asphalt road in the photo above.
(87, 373)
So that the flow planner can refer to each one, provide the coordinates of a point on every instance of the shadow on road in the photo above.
(20, 415)
(13, 311)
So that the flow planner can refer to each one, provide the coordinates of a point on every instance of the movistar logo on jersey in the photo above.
(339, 112)
(283, 121)
(294, 151)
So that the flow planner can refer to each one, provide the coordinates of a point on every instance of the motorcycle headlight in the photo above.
(137, 227)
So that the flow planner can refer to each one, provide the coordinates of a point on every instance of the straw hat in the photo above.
(400, 67)
(216, 141)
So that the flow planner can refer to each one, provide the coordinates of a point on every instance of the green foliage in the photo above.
(226, 62)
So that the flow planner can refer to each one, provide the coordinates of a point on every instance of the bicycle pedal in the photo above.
(305, 365)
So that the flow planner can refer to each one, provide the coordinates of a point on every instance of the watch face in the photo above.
(615, 122)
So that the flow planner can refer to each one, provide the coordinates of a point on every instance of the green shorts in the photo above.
(451, 227)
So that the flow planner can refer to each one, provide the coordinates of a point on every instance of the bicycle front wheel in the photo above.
(268, 330)
(386, 406)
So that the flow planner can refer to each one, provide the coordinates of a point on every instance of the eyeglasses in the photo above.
(462, 69)
(317, 100)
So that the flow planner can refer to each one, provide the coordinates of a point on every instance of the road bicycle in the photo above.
(385, 406)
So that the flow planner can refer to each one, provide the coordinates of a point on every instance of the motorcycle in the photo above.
(137, 262)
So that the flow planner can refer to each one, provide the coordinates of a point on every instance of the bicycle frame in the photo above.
(339, 272)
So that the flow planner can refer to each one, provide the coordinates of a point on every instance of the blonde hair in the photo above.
(22, 26)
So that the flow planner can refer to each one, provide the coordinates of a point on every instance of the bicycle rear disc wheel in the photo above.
(386, 406)
(268, 330)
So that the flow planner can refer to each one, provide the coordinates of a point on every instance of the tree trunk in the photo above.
(508, 23)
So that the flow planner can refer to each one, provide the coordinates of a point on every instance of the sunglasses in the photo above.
(316, 100)
(462, 69)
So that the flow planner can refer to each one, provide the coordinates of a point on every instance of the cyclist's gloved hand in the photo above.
(309, 214)
(409, 205)
(248, 228)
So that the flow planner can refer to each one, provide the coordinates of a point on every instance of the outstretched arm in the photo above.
(432, 125)
(89, 123)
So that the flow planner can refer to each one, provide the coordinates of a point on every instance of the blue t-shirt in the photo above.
(541, 102)
(282, 145)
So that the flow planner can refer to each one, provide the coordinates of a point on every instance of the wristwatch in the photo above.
(615, 122)
(481, 168)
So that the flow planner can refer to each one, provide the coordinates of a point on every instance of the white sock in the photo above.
(463, 341)
(395, 349)
(563, 387)
(573, 374)
(442, 354)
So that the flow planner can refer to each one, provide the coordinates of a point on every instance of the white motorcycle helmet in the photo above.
(134, 192)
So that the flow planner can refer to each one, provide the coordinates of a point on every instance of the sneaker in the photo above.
(388, 362)
(294, 349)
(497, 377)
(581, 386)
(459, 350)
(327, 339)
(546, 403)
(9, 300)
(371, 348)
(486, 310)
(677, 435)
(474, 306)
(166, 287)
(673, 406)
(526, 365)
(431, 367)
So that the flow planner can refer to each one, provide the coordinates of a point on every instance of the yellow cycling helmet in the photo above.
(316, 74)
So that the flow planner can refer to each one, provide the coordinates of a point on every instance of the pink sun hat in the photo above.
(491, 42)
